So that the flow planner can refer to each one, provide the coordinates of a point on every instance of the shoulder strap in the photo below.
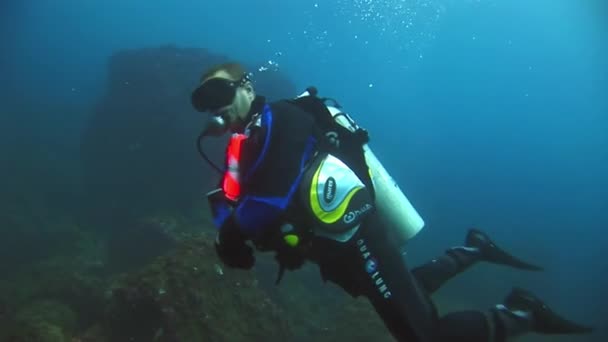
(316, 107)
(327, 127)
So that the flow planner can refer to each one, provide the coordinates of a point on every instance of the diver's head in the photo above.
(225, 91)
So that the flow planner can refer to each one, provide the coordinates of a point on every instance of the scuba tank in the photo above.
(393, 207)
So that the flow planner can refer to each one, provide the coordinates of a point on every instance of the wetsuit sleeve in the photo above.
(230, 243)
(231, 248)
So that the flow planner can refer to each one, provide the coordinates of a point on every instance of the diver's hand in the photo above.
(235, 254)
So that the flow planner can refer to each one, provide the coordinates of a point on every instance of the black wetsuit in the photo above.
(400, 296)
(369, 264)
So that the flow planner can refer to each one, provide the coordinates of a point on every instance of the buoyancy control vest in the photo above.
(307, 147)
(270, 181)
(309, 172)
(310, 179)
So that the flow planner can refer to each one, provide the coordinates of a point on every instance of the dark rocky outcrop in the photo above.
(187, 296)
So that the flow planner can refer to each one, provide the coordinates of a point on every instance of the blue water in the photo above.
(489, 113)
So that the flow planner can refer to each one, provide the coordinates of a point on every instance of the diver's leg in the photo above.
(477, 247)
(385, 280)
(402, 303)
(410, 315)
(367, 265)
(370, 265)
(438, 271)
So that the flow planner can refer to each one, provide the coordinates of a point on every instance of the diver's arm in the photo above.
(231, 247)
(230, 242)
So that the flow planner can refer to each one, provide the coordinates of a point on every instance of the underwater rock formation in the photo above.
(183, 294)
(50, 301)
(187, 296)
(139, 147)
(152, 236)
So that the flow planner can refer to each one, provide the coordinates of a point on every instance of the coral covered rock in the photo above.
(188, 296)
(41, 321)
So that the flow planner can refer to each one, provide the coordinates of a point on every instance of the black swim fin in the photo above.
(544, 320)
(492, 253)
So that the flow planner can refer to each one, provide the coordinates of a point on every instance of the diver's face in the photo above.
(235, 113)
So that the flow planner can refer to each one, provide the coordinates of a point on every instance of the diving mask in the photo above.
(216, 93)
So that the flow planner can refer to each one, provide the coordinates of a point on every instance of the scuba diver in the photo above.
(300, 180)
